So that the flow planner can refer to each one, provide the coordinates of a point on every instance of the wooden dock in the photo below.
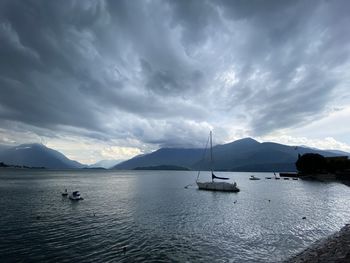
(292, 175)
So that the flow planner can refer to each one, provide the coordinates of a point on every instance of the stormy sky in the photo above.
(112, 79)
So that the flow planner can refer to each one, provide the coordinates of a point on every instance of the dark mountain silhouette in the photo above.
(36, 155)
(339, 152)
(225, 155)
(165, 156)
(241, 155)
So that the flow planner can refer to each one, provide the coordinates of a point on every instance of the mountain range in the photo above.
(105, 164)
(241, 155)
(36, 155)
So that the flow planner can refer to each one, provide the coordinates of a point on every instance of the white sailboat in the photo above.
(213, 185)
(75, 196)
(254, 178)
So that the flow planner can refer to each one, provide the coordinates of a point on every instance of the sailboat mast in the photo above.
(211, 152)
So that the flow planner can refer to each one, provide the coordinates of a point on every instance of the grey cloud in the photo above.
(170, 83)
(151, 70)
(286, 45)
(305, 100)
(196, 18)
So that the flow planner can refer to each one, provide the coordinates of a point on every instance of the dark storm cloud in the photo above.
(287, 65)
(152, 70)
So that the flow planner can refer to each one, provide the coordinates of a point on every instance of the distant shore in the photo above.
(335, 249)
(163, 167)
(4, 165)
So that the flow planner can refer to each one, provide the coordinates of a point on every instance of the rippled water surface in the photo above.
(157, 219)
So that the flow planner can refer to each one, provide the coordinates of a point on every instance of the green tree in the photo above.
(311, 163)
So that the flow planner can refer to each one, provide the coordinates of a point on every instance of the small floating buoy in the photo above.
(269, 200)
(304, 217)
(235, 201)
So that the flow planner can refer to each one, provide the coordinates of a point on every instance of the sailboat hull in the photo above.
(218, 186)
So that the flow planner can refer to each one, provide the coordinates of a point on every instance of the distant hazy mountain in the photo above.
(241, 155)
(105, 164)
(36, 155)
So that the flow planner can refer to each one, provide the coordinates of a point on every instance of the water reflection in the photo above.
(155, 218)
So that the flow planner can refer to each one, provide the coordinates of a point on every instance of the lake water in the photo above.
(157, 219)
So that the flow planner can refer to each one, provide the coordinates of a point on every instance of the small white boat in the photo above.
(75, 196)
(216, 186)
(253, 177)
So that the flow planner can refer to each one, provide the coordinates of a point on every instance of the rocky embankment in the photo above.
(335, 248)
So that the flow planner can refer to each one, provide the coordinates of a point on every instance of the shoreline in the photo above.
(334, 248)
